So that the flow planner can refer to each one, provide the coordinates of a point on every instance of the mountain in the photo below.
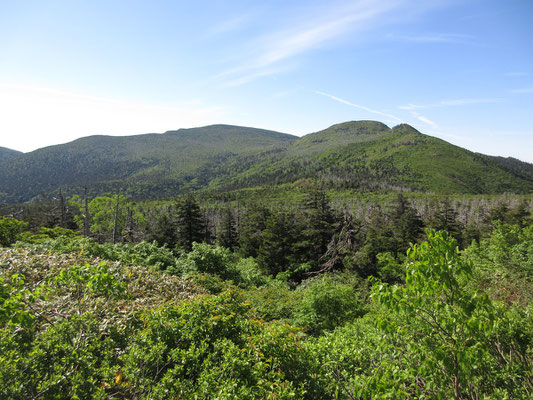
(365, 155)
(515, 166)
(368, 155)
(7, 154)
(150, 165)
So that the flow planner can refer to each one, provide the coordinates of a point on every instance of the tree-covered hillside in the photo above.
(7, 154)
(156, 165)
(368, 155)
(361, 155)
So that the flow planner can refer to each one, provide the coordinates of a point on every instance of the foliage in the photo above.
(318, 226)
(504, 263)
(143, 253)
(10, 230)
(190, 224)
(444, 328)
(251, 229)
(207, 348)
(273, 301)
(277, 253)
(227, 232)
(327, 304)
(91, 280)
(64, 323)
(250, 273)
(147, 254)
(205, 258)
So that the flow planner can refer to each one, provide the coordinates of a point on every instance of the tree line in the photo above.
(297, 240)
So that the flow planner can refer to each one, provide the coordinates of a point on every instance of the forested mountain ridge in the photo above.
(365, 155)
(7, 154)
(157, 164)
(368, 155)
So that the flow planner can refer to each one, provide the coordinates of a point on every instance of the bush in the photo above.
(503, 263)
(209, 348)
(327, 304)
(148, 255)
(10, 230)
(205, 258)
(71, 359)
(250, 273)
(273, 301)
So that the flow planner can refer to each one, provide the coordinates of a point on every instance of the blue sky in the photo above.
(458, 70)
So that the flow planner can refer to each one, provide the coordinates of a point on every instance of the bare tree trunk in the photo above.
(129, 225)
(115, 225)
(86, 227)
(63, 209)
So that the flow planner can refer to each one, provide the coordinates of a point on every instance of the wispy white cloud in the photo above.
(522, 90)
(239, 80)
(348, 103)
(451, 103)
(319, 29)
(424, 119)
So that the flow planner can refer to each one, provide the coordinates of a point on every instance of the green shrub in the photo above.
(147, 254)
(503, 263)
(274, 301)
(90, 279)
(10, 230)
(209, 348)
(327, 304)
(205, 258)
(213, 284)
(71, 359)
(250, 273)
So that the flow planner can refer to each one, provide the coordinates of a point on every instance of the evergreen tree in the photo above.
(227, 233)
(445, 219)
(318, 225)
(190, 223)
(164, 232)
(344, 243)
(521, 215)
(276, 253)
(251, 229)
(407, 226)
(379, 238)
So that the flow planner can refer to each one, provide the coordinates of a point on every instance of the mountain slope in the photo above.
(363, 155)
(143, 165)
(368, 155)
(7, 154)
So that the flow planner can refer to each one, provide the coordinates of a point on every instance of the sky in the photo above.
(458, 70)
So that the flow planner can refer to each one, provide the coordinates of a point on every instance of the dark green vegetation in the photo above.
(302, 300)
(7, 154)
(363, 155)
(354, 263)
(72, 326)
(142, 165)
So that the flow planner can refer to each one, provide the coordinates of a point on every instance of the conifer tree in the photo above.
(318, 225)
(164, 232)
(227, 233)
(276, 253)
(407, 226)
(190, 223)
(445, 219)
(251, 229)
